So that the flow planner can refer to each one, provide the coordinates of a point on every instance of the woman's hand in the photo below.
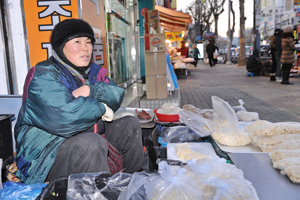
(82, 91)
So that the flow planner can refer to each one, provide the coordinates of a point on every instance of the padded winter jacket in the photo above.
(211, 48)
(50, 114)
(288, 48)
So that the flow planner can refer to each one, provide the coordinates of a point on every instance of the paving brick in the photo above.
(273, 101)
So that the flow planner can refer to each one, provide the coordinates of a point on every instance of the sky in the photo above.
(223, 18)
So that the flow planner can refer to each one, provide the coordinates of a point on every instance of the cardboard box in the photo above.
(156, 87)
(155, 42)
(155, 25)
(155, 64)
(151, 16)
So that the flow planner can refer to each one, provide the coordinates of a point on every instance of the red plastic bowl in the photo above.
(166, 118)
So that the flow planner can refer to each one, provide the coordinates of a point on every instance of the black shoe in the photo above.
(287, 83)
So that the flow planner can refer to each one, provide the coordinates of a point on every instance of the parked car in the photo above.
(249, 50)
(264, 50)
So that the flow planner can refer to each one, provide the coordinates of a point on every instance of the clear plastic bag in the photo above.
(231, 189)
(231, 137)
(219, 180)
(14, 191)
(195, 122)
(135, 189)
(167, 186)
(239, 107)
(247, 116)
(224, 115)
(100, 186)
(178, 134)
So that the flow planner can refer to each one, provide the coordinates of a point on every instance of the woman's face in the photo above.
(79, 51)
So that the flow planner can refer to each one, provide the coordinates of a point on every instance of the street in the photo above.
(273, 101)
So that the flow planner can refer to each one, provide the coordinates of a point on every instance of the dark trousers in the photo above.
(211, 59)
(286, 70)
(87, 152)
(278, 70)
(196, 61)
(274, 64)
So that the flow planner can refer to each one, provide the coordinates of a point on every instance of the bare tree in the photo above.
(242, 53)
(201, 14)
(217, 8)
(230, 32)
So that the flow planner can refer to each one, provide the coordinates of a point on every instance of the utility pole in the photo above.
(229, 34)
(254, 27)
(256, 35)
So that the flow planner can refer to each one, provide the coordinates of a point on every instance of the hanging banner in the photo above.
(174, 36)
(170, 36)
(178, 36)
(41, 17)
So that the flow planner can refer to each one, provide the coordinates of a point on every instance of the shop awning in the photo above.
(172, 20)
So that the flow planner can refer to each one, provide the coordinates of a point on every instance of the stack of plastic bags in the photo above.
(201, 180)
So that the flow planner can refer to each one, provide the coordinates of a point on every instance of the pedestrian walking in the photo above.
(210, 49)
(273, 54)
(278, 35)
(287, 56)
(196, 54)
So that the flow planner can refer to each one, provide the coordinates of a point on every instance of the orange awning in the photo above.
(173, 27)
(172, 20)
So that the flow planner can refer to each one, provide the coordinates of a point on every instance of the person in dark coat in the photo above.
(254, 64)
(196, 54)
(273, 53)
(287, 55)
(278, 34)
(210, 49)
(183, 49)
(66, 123)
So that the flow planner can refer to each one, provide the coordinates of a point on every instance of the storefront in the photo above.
(121, 39)
(23, 48)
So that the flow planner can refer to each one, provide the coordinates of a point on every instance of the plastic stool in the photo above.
(250, 74)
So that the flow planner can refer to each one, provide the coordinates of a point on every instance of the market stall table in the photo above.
(268, 182)
(181, 69)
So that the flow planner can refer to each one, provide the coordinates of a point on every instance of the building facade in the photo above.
(278, 14)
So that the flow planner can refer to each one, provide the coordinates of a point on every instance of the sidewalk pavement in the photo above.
(271, 100)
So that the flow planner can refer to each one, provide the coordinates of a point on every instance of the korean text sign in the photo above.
(41, 16)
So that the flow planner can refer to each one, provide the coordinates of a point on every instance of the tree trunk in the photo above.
(242, 53)
(216, 27)
(230, 34)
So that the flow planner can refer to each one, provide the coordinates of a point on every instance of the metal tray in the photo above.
(268, 182)
(250, 148)
(124, 111)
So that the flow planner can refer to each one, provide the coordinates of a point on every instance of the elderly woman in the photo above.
(65, 123)
(287, 55)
